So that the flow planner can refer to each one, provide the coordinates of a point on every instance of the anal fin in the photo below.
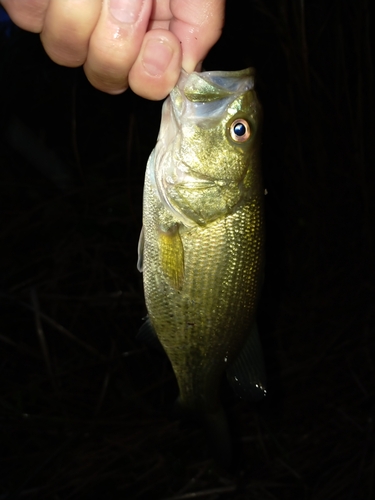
(247, 373)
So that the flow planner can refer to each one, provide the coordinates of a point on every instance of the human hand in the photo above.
(141, 44)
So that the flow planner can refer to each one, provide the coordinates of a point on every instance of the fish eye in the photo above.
(240, 130)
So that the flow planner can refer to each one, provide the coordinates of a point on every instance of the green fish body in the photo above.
(201, 247)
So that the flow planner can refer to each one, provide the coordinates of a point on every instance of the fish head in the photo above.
(206, 157)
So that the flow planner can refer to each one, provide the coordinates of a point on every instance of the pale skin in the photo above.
(141, 44)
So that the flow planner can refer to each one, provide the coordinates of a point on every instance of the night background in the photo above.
(85, 410)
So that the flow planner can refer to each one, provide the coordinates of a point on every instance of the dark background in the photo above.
(85, 411)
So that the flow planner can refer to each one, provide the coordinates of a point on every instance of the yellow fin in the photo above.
(172, 256)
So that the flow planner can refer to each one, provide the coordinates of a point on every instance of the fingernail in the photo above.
(156, 56)
(126, 11)
(190, 65)
(198, 67)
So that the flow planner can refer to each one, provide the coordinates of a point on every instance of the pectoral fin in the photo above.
(172, 256)
(247, 374)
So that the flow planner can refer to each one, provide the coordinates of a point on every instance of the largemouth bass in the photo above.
(201, 247)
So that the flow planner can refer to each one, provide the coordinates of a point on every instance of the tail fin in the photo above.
(215, 426)
(217, 431)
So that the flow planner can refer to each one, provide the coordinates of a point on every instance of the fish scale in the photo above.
(202, 240)
(217, 298)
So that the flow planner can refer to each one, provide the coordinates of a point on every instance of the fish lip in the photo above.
(165, 182)
(196, 180)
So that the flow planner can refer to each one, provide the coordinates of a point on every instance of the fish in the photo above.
(201, 248)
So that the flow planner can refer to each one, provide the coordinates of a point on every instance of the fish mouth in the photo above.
(190, 179)
(194, 195)
(169, 185)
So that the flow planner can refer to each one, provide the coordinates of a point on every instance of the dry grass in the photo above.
(85, 411)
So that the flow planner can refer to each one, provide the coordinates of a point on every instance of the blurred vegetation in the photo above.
(85, 410)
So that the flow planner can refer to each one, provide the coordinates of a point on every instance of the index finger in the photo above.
(27, 14)
(198, 25)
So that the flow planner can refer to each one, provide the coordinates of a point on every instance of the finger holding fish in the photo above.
(120, 43)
